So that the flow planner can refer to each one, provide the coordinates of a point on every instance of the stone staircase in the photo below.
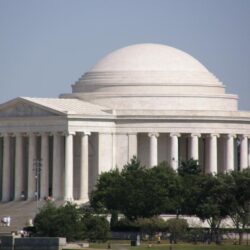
(20, 212)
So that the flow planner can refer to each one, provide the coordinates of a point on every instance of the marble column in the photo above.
(243, 152)
(31, 167)
(153, 150)
(84, 167)
(6, 193)
(132, 146)
(174, 154)
(211, 166)
(57, 165)
(19, 171)
(194, 146)
(44, 189)
(229, 152)
(68, 181)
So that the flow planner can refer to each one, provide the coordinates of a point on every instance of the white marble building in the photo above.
(149, 100)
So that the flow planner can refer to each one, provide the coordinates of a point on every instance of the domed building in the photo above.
(152, 101)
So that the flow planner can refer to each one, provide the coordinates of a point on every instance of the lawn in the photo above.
(180, 246)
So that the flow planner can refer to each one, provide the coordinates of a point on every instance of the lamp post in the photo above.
(37, 168)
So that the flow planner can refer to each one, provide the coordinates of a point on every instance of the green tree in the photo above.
(176, 228)
(240, 210)
(70, 221)
(137, 191)
(189, 168)
(44, 221)
(105, 197)
(213, 201)
(151, 225)
(188, 174)
(97, 228)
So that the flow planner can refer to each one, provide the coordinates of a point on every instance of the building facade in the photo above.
(148, 100)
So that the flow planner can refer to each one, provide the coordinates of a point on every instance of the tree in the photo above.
(213, 201)
(189, 168)
(137, 191)
(151, 226)
(240, 210)
(97, 228)
(105, 196)
(188, 173)
(44, 221)
(176, 227)
(70, 221)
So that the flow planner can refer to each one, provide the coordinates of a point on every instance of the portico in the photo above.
(151, 101)
(61, 173)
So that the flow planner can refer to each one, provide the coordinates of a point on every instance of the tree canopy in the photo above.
(137, 191)
(70, 221)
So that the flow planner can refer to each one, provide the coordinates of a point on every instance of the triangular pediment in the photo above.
(21, 108)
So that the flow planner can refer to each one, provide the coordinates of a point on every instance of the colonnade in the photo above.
(211, 150)
(62, 171)
(63, 160)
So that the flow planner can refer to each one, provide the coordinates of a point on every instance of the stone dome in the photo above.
(152, 76)
(148, 57)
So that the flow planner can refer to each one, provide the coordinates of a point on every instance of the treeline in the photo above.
(140, 192)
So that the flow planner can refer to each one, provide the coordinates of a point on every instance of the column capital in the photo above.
(18, 134)
(243, 136)
(195, 135)
(5, 134)
(45, 133)
(66, 133)
(174, 134)
(153, 135)
(84, 133)
(229, 136)
(132, 133)
(31, 134)
(213, 135)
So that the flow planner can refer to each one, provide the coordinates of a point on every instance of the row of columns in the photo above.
(44, 176)
(65, 186)
(211, 150)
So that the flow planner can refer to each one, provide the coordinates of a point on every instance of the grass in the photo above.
(165, 246)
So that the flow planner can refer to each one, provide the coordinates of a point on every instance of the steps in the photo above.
(20, 212)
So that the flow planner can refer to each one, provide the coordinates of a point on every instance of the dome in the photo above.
(148, 57)
(152, 76)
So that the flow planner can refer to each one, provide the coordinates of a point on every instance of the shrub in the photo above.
(176, 227)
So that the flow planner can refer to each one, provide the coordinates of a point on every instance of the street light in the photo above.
(37, 168)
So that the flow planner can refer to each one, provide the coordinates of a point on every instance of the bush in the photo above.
(97, 228)
(176, 228)
(71, 222)
(152, 225)
(125, 224)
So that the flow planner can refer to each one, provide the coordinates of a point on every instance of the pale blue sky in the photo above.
(46, 45)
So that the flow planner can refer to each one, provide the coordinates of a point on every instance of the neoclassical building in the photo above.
(148, 100)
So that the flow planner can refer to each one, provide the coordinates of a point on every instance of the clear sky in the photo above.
(46, 45)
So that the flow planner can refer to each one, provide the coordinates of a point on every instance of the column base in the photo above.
(70, 199)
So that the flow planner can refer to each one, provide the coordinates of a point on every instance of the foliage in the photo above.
(97, 228)
(240, 211)
(137, 191)
(125, 224)
(69, 221)
(151, 225)
(213, 200)
(188, 173)
(189, 167)
(44, 221)
(176, 227)
(114, 219)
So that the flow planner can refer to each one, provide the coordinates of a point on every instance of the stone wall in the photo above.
(35, 243)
